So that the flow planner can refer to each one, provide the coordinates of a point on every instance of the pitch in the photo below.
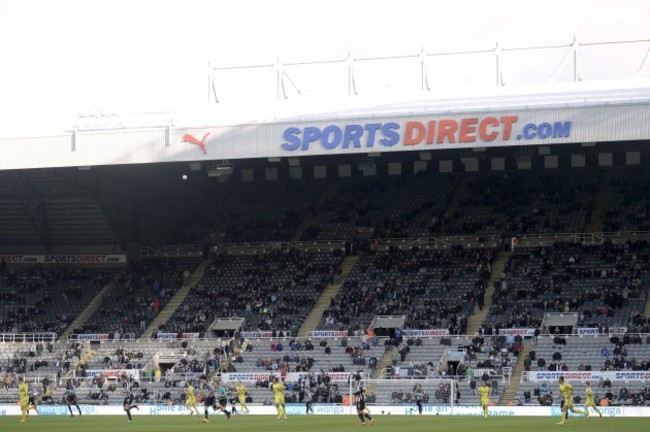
(384, 423)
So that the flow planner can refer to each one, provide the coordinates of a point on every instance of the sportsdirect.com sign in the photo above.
(95, 259)
(505, 129)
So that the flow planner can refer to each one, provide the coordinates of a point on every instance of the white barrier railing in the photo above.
(27, 337)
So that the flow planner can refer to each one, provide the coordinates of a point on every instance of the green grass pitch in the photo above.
(384, 423)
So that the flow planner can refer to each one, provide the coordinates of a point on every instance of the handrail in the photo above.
(439, 242)
(28, 337)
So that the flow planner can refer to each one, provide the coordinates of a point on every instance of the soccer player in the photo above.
(241, 395)
(567, 393)
(71, 396)
(190, 402)
(222, 397)
(309, 398)
(418, 393)
(23, 393)
(278, 392)
(484, 391)
(360, 401)
(589, 401)
(232, 397)
(208, 397)
(31, 405)
(128, 396)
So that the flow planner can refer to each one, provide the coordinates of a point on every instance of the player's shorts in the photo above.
(208, 401)
(223, 402)
(72, 399)
(24, 402)
(361, 405)
(568, 403)
(485, 402)
(191, 401)
(128, 401)
(591, 403)
(279, 400)
(242, 399)
(32, 401)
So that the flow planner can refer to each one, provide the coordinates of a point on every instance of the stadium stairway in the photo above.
(477, 318)
(311, 322)
(94, 304)
(178, 298)
(599, 203)
(454, 203)
(507, 398)
(306, 222)
(382, 364)
(646, 309)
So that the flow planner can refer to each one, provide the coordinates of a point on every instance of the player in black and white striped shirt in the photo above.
(359, 392)
(208, 396)
(71, 396)
(128, 396)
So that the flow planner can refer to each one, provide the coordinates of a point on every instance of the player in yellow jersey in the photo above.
(190, 402)
(278, 392)
(567, 393)
(484, 391)
(241, 396)
(23, 392)
(589, 401)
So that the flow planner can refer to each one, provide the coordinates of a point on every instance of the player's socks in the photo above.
(363, 420)
(128, 412)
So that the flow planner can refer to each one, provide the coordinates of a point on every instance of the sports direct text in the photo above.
(417, 133)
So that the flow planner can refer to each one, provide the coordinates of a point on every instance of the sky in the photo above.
(63, 57)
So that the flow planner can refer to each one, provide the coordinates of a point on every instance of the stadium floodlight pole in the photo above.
(424, 70)
(498, 54)
(573, 49)
(639, 71)
(352, 85)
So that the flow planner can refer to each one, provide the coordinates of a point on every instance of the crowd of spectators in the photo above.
(273, 291)
(431, 288)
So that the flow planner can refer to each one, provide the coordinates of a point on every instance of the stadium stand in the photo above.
(46, 299)
(390, 207)
(538, 201)
(273, 291)
(606, 284)
(140, 295)
(432, 288)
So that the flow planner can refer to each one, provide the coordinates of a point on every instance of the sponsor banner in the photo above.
(94, 259)
(517, 332)
(331, 409)
(589, 375)
(555, 375)
(248, 377)
(256, 334)
(114, 373)
(252, 377)
(90, 337)
(425, 333)
(588, 331)
(370, 129)
(328, 333)
(626, 375)
(617, 330)
(171, 336)
(480, 371)
(100, 336)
